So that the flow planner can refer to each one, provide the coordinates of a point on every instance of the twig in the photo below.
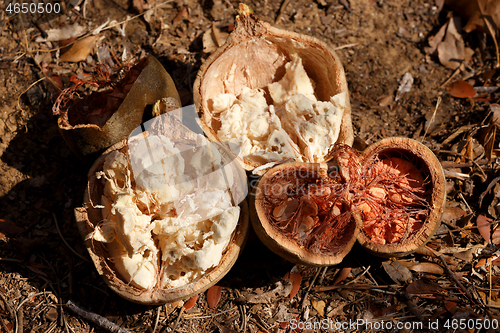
(459, 68)
(457, 133)
(359, 276)
(309, 289)
(157, 319)
(466, 157)
(355, 286)
(320, 282)
(64, 240)
(259, 325)
(453, 174)
(345, 46)
(11, 310)
(282, 10)
(26, 90)
(214, 315)
(11, 260)
(36, 62)
(492, 32)
(243, 313)
(432, 118)
(490, 186)
(454, 277)
(95, 318)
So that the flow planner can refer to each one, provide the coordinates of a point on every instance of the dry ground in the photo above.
(41, 182)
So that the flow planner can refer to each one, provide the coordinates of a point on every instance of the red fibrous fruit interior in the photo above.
(314, 206)
(394, 203)
(95, 98)
(308, 206)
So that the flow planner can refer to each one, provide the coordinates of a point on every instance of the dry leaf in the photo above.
(494, 301)
(422, 286)
(404, 86)
(385, 100)
(191, 302)
(319, 306)
(268, 297)
(213, 38)
(343, 274)
(435, 40)
(484, 261)
(397, 271)
(495, 110)
(213, 296)
(468, 255)
(427, 267)
(461, 89)
(139, 5)
(484, 226)
(496, 236)
(54, 35)
(182, 15)
(470, 11)
(451, 50)
(295, 278)
(453, 213)
(80, 50)
(9, 228)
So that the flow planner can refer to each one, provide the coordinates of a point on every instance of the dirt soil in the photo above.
(43, 261)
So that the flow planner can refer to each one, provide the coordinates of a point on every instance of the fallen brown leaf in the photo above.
(453, 213)
(213, 296)
(191, 302)
(470, 11)
(9, 228)
(80, 50)
(451, 50)
(319, 306)
(397, 271)
(484, 226)
(461, 89)
(182, 15)
(421, 286)
(427, 267)
(213, 38)
(343, 274)
(493, 301)
(268, 297)
(295, 278)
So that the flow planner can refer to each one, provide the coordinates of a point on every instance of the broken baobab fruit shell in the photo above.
(300, 216)
(401, 207)
(390, 198)
(273, 95)
(164, 218)
(112, 104)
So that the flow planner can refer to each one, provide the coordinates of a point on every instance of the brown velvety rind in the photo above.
(258, 53)
(89, 216)
(410, 148)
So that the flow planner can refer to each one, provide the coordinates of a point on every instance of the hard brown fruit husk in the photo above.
(89, 216)
(283, 244)
(352, 174)
(87, 140)
(433, 173)
(259, 53)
